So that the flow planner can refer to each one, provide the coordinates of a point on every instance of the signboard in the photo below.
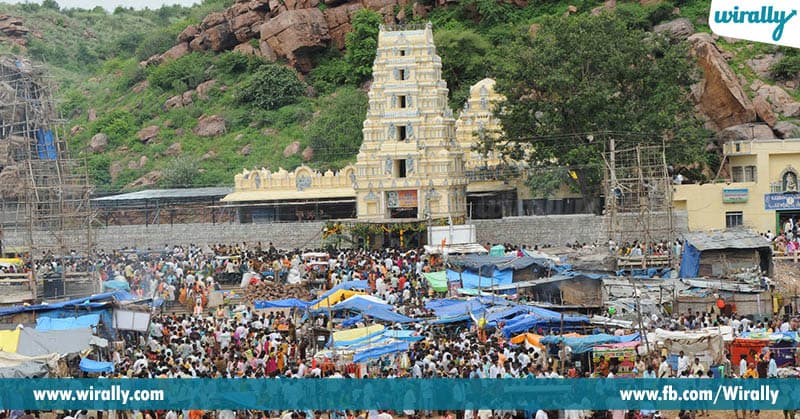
(138, 321)
(401, 199)
(781, 201)
(457, 234)
(407, 199)
(767, 21)
(625, 356)
(734, 196)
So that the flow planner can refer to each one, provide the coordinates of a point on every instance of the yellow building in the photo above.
(761, 192)
(409, 165)
(476, 122)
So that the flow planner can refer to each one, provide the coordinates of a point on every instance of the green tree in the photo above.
(180, 172)
(464, 62)
(585, 74)
(361, 44)
(50, 4)
(271, 87)
(335, 135)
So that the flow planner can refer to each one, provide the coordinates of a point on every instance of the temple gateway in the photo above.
(417, 163)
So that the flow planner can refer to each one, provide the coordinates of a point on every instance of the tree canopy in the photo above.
(592, 74)
(361, 44)
(335, 135)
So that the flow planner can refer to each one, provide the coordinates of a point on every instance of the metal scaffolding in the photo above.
(638, 192)
(44, 194)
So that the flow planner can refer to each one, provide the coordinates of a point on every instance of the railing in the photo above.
(492, 173)
(659, 261)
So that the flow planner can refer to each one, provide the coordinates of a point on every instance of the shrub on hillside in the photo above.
(180, 172)
(181, 74)
(787, 67)
(118, 125)
(271, 87)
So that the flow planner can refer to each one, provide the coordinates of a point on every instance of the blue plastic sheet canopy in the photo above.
(540, 317)
(116, 284)
(96, 367)
(450, 308)
(371, 307)
(379, 350)
(690, 261)
(358, 284)
(80, 322)
(45, 144)
(583, 344)
(94, 301)
(287, 303)
(471, 279)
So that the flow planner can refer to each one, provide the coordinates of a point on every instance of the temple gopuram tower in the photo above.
(410, 165)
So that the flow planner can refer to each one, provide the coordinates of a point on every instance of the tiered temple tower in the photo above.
(410, 165)
(477, 121)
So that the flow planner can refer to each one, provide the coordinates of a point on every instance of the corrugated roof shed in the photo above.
(186, 193)
(726, 239)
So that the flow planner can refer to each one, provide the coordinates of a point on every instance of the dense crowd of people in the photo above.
(238, 341)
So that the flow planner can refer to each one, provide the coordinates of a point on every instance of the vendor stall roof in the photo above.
(727, 239)
(456, 249)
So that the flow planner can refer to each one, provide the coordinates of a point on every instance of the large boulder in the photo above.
(291, 149)
(176, 52)
(308, 153)
(174, 150)
(746, 132)
(764, 111)
(762, 63)
(213, 19)
(150, 179)
(338, 19)
(781, 102)
(295, 34)
(204, 88)
(246, 26)
(210, 126)
(98, 143)
(189, 33)
(786, 129)
(114, 170)
(678, 29)
(719, 95)
(148, 133)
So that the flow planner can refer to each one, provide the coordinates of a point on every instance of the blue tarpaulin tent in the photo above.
(50, 323)
(94, 301)
(96, 367)
(287, 303)
(369, 307)
(540, 317)
(116, 284)
(470, 279)
(378, 351)
(583, 344)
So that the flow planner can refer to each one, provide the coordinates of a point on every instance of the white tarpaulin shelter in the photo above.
(20, 366)
(707, 344)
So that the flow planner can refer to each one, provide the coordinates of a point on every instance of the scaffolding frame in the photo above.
(638, 186)
(52, 204)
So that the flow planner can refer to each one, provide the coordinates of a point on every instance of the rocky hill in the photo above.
(201, 106)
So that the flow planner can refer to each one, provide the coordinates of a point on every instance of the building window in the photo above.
(744, 173)
(401, 74)
(733, 219)
(401, 133)
(399, 168)
(402, 53)
(402, 101)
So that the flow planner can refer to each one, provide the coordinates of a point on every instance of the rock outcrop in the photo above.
(98, 143)
(719, 95)
(746, 132)
(786, 129)
(678, 29)
(210, 126)
(147, 134)
(150, 179)
(295, 34)
(12, 29)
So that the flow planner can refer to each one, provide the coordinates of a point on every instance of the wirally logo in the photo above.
(774, 22)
